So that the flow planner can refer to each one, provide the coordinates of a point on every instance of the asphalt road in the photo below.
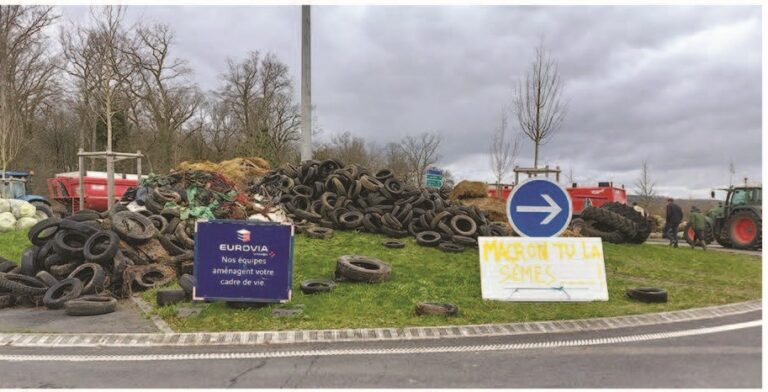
(730, 359)
(713, 246)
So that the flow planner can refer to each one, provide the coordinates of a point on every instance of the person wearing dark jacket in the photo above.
(674, 217)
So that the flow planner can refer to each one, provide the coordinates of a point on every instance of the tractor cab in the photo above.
(13, 185)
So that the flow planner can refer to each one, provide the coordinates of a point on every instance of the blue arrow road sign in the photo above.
(539, 207)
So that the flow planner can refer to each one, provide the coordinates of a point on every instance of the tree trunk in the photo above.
(536, 156)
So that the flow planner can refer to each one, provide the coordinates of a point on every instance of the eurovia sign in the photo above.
(243, 261)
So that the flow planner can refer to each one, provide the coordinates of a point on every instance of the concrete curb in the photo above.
(369, 334)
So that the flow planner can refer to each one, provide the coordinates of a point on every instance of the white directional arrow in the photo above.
(553, 209)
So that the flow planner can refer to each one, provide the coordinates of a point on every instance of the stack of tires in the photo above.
(332, 195)
(614, 222)
(106, 255)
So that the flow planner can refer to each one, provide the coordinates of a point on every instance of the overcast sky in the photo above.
(679, 87)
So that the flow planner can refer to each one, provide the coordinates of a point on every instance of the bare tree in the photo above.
(26, 75)
(504, 149)
(166, 96)
(569, 176)
(421, 152)
(645, 187)
(537, 101)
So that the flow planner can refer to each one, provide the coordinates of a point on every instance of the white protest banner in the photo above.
(542, 269)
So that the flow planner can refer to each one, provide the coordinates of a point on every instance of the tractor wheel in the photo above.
(723, 240)
(644, 225)
(745, 230)
(688, 234)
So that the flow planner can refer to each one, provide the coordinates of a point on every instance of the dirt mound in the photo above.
(242, 171)
(495, 209)
(469, 190)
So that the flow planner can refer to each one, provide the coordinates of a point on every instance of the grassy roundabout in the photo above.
(693, 279)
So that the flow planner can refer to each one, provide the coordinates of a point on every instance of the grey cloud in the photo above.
(677, 86)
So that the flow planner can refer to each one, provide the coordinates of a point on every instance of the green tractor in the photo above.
(737, 223)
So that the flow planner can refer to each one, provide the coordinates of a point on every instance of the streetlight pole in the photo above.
(306, 85)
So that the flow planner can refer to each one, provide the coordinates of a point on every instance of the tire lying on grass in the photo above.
(314, 286)
(90, 305)
(435, 308)
(187, 283)
(450, 247)
(428, 238)
(647, 294)
(167, 297)
(319, 233)
(363, 269)
(60, 293)
(394, 244)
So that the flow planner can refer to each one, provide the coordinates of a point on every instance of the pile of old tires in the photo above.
(328, 194)
(614, 222)
(91, 258)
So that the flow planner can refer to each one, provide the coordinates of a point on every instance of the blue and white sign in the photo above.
(539, 207)
(243, 261)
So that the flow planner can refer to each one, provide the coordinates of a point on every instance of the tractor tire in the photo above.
(644, 224)
(723, 240)
(744, 230)
(688, 234)
(614, 237)
(609, 219)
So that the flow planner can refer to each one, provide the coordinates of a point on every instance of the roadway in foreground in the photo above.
(728, 358)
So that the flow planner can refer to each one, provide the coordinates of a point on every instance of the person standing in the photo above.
(699, 224)
(674, 217)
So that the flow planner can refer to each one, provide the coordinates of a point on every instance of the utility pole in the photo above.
(306, 85)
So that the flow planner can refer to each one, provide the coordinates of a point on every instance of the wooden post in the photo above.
(81, 184)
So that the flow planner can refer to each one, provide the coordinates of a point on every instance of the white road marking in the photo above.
(382, 351)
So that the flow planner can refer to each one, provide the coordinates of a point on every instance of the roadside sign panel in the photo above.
(434, 178)
(539, 207)
(542, 269)
(243, 261)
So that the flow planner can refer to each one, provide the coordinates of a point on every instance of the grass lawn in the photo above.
(13, 243)
(693, 279)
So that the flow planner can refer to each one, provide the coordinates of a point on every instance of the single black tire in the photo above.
(7, 300)
(436, 309)
(70, 244)
(464, 241)
(363, 269)
(22, 285)
(463, 225)
(167, 297)
(43, 231)
(47, 278)
(61, 292)
(394, 244)
(90, 305)
(323, 233)
(648, 294)
(314, 286)
(610, 220)
(109, 242)
(187, 283)
(6, 265)
(133, 228)
(450, 247)
(184, 239)
(93, 277)
(28, 261)
(428, 238)
(172, 248)
(744, 230)
(159, 222)
(86, 228)
(62, 270)
(44, 208)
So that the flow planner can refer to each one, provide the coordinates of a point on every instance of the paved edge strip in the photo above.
(369, 334)
(147, 309)
(381, 351)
